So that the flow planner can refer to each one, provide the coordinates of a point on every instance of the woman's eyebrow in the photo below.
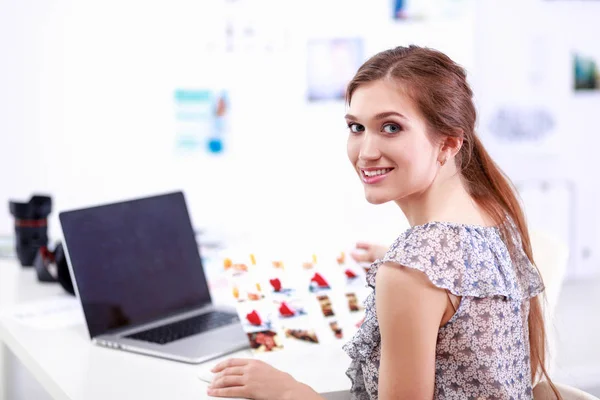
(381, 115)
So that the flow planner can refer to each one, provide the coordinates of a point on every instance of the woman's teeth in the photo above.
(377, 172)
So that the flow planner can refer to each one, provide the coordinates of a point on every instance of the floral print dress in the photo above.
(483, 351)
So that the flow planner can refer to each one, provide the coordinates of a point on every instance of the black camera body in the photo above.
(51, 266)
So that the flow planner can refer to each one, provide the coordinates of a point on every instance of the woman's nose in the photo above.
(369, 149)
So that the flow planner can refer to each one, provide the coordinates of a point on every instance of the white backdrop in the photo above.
(87, 113)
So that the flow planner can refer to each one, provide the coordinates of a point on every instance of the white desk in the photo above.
(69, 367)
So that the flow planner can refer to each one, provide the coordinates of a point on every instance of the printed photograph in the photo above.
(353, 303)
(325, 304)
(305, 335)
(586, 73)
(289, 309)
(264, 341)
(246, 290)
(337, 331)
(256, 316)
(318, 283)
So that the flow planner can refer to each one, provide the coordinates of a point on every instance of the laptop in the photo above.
(137, 271)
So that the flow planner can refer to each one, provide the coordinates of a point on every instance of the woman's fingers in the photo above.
(230, 371)
(363, 245)
(361, 257)
(232, 362)
(228, 381)
(366, 256)
(236, 391)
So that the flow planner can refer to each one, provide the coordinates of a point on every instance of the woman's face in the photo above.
(388, 144)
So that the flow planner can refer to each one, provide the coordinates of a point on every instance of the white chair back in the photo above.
(543, 391)
(551, 257)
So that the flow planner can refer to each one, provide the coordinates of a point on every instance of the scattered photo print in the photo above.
(345, 261)
(354, 276)
(331, 65)
(290, 308)
(310, 265)
(234, 269)
(318, 283)
(300, 328)
(246, 290)
(264, 341)
(256, 317)
(305, 335)
(353, 303)
(278, 281)
(336, 329)
(239, 266)
(280, 285)
(586, 73)
(350, 272)
(325, 304)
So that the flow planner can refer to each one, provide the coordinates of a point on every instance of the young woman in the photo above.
(454, 312)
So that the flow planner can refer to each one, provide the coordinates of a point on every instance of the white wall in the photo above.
(86, 111)
(524, 58)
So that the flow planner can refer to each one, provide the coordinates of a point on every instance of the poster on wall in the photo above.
(514, 124)
(419, 10)
(331, 63)
(409, 10)
(201, 117)
(586, 73)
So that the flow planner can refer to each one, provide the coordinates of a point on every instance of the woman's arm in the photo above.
(409, 310)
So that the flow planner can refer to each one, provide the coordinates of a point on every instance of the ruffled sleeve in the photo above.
(466, 260)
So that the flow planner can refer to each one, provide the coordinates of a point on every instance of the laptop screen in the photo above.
(134, 261)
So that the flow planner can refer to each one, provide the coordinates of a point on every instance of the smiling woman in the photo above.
(454, 312)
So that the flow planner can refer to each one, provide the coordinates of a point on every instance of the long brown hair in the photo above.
(439, 88)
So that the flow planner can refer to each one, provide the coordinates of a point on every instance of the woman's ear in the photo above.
(451, 145)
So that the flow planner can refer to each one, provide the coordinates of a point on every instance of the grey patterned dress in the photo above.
(483, 351)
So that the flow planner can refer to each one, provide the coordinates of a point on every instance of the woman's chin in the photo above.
(375, 198)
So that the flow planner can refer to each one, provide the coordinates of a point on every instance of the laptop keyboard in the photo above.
(184, 328)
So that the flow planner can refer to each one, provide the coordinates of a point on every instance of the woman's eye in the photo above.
(391, 128)
(356, 128)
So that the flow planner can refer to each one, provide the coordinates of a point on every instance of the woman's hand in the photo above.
(371, 252)
(253, 379)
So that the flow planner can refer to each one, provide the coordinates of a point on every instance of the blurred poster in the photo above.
(586, 74)
(200, 120)
(404, 10)
(519, 124)
(331, 65)
(417, 9)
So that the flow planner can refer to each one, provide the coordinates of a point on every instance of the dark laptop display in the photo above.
(137, 261)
